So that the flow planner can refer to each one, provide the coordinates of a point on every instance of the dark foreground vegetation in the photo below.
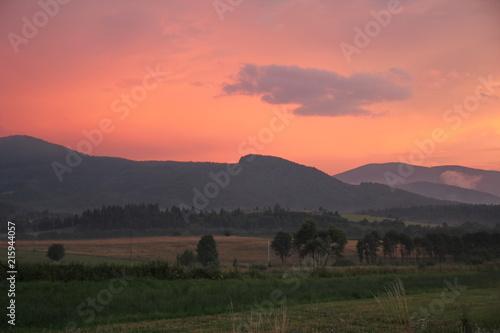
(471, 248)
(127, 296)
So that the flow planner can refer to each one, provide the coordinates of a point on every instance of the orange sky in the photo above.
(222, 85)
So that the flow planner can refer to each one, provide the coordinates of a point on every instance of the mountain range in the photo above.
(39, 175)
(449, 182)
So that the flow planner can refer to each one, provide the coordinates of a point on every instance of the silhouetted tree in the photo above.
(319, 244)
(207, 251)
(389, 243)
(282, 245)
(360, 251)
(368, 246)
(419, 247)
(328, 242)
(303, 236)
(406, 245)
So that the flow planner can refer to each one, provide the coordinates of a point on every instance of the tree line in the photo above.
(434, 246)
(177, 221)
(484, 214)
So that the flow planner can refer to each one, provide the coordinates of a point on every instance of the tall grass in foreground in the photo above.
(395, 305)
(274, 321)
(51, 305)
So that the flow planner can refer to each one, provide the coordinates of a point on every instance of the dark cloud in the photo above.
(319, 92)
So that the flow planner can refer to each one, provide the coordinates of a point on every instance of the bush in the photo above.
(258, 267)
(257, 271)
(321, 273)
(158, 270)
(343, 262)
(210, 272)
(485, 254)
(187, 258)
(56, 252)
(473, 260)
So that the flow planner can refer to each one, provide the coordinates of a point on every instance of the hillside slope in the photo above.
(27, 178)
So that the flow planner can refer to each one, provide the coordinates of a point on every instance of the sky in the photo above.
(329, 84)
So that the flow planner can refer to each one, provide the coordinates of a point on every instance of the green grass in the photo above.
(47, 305)
(359, 217)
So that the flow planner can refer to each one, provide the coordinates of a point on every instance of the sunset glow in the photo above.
(330, 84)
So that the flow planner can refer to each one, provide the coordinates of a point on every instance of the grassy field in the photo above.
(278, 300)
(343, 316)
(312, 304)
(359, 217)
(247, 250)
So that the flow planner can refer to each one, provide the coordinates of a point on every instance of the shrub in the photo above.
(343, 262)
(187, 258)
(258, 267)
(321, 273)
(56, 252)
(473, 260)
(211, 272)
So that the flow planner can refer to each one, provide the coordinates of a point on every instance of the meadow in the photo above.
(207, 305)
(278, 299)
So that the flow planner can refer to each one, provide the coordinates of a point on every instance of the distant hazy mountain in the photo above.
(455, 182)
(451, 193)
(28, 179)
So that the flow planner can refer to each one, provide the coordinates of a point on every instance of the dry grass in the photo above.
(247, 250)
(395, 306)
(274, 321)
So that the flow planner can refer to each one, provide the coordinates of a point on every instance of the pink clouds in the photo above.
(318, 92)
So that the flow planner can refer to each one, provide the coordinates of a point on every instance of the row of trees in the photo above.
(180, 221)
(438, 246)
(312, 245)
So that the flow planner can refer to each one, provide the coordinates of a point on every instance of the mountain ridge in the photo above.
(400, 175)
(27, 179)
